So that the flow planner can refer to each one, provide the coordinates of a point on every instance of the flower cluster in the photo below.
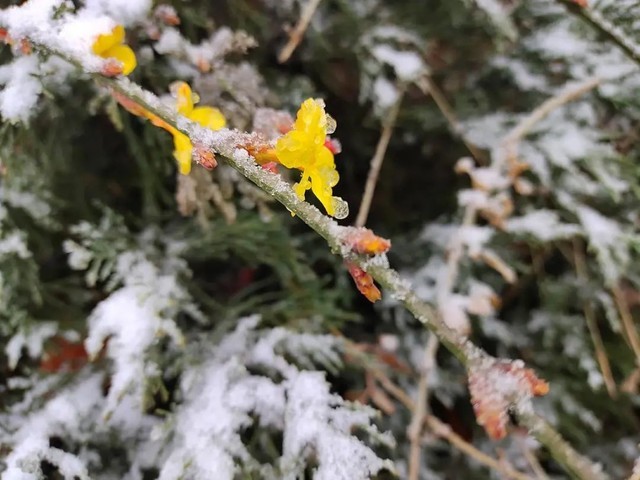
(111, 46)
(304, 148)
(208, 117)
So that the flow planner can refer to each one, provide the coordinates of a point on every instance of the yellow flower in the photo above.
(304, 148)
(111, 45)
(208, 117)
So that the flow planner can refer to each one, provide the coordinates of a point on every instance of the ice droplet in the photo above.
(341, 208)
(331, 124)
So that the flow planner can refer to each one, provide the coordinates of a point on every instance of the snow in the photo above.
(385, 93)
(605, 237)
(408, 66)
(543, 224)
(61, 416)
(125, 12)
(312, 427)
(21, 88)
(453, 311)
(132, 326)
(496, 11)
(14, 244)
(222, 396)
(32, 339)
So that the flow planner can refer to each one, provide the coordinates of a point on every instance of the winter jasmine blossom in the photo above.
(208, 117)
(111, 45)
(304, 148)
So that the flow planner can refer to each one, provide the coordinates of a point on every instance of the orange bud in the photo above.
(25, 47)
(364, 282)
(167, 15)
(111, 68)
(203, 65)
(495, 387)
(364, 241)
(205, 157)
(270, 167)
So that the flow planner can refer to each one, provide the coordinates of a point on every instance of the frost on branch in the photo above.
(497, 385)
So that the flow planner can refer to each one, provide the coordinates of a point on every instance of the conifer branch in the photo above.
(612, 32)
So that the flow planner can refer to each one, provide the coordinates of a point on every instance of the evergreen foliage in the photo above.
(158, 325)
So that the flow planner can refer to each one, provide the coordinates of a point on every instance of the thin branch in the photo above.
(228, 144)
(429, 87)
(592, 323)
(635, 475)
(605, 27)
(414, 432)
(297, 33)
(532, 459)
(376, 161)
(443, 430)
(511, 142)
(627, 321)
(580, 466)
(421, 408)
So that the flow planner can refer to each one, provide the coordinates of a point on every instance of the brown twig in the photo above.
(421, 408)
(592, 323)
(511, 142)
(635, 475)
(296, 35)
(531, 459)
(429, 87)
(627, 321)
(376, 161)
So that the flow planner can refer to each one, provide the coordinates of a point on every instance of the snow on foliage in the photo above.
(54, 23)
(219, 398)
(63, 416)
(222, 396)
(317, 423)
(31, 339)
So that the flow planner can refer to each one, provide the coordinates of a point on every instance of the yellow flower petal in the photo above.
(321, 183)
(312, 119)
(294, 149)
(125, 55)
(184, 101)
(107, 40)
(208, 117)
(304, 148)
(182, 152)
